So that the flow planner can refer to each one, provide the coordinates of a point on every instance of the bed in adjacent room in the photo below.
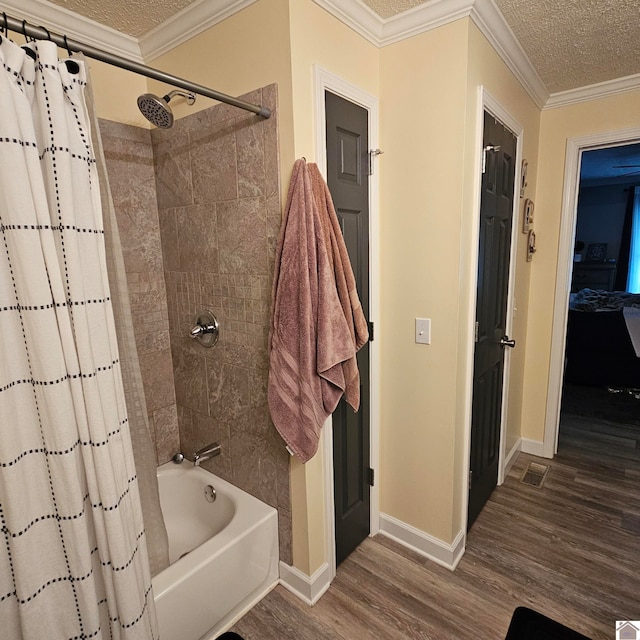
(603, 339)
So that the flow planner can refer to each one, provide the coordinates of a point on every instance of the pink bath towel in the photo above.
(317, 321)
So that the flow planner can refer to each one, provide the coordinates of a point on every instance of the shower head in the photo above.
(157, 110)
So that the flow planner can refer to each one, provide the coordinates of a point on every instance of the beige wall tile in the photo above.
(130, 166)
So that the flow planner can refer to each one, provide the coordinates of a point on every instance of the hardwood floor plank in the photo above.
(570, 550)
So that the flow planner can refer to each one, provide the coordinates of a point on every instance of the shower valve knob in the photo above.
(206, 329)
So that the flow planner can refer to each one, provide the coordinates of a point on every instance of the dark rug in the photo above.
(230, 635)
(527, 624)
(615, 405)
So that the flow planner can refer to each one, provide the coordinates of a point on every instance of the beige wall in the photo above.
(115, 92)
(557, 126)
(423, 101)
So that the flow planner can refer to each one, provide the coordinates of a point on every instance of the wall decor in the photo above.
(527, 215)
(523, 177)
(597, 252)
(531, 245)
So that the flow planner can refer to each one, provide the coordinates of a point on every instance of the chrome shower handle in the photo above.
(201, 329)
(206, 330)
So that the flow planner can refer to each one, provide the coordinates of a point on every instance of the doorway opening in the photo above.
(576, 148)
(601, 384)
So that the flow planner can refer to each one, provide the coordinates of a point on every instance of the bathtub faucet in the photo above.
(210, 451)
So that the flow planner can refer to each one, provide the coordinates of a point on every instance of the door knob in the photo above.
(505, 342)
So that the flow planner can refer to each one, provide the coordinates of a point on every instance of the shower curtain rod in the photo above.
(40, 33)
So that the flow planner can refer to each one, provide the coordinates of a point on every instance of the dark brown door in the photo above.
(496, 213)
(348, 180)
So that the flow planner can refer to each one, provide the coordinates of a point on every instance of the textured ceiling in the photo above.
(389, 8)
(133, 17)
(571, 43)
(575, 43)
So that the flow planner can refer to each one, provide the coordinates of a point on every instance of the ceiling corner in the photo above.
(488, 18)
(436, 13)
(194, 19)
(358, 16)
(424, 17)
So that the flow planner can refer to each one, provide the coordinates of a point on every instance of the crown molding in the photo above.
(593, 91)
(489, 19)
(74, 26)
(436, 13)
(423, 18)
(186, 24)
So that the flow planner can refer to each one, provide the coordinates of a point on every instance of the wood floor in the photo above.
(570, 550)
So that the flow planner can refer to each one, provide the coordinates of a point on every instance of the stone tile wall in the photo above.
(217, 184)
(129, 158)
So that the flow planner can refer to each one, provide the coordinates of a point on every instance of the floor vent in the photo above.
(535, 474)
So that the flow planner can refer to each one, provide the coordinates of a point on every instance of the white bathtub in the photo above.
(224, 554)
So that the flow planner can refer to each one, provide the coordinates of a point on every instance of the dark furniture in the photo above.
(599, 350)
(593, 275)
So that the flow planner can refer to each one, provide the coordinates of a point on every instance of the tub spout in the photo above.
(210, 451)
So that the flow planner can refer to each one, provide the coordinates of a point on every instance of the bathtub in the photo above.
(223, 554)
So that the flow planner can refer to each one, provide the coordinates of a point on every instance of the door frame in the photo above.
(573, 157)
(486, 102)
(327, 81)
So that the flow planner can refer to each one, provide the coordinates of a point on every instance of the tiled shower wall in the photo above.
(218, 194)
(129, 158)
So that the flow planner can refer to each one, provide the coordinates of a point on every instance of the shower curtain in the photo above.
(73, 556)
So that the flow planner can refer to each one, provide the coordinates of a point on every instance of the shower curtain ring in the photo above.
(24, 32)
(5, 28)
(47, 32)
(66, 44)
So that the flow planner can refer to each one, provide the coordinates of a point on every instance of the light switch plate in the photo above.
(423, 330)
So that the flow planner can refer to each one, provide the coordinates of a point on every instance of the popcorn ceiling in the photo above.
(133, 17)
(575, 43)
(389, 8)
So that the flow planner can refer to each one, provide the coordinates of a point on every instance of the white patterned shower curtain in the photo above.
(73, 556)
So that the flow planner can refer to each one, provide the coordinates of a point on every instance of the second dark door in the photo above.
(496, 216)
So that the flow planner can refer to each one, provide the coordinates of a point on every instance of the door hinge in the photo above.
(489, 147)
(370, 330)
(372, 154)
(371, 477)
(476, 331)
(470, 478)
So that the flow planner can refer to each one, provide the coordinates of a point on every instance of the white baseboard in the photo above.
(512, 456)
(308, 588)
(446, 555)
(532, 447)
